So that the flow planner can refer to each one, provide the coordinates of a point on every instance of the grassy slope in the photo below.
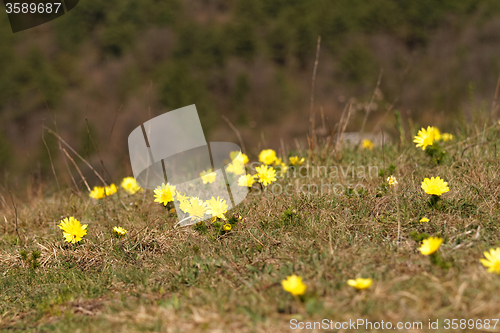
(177, 280)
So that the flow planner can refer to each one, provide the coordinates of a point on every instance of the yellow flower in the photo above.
(235, 155)
(265, 174)
(119, 231)
(295, 160)
(426, 137)
(367, 144)
(492, 260)
(447, 137)
(179, 197)
(236, 167)
(392, 180)
(360, 283)
(217, 207)
(435, 186)
(208, 177)
(277, 161)
(436, 133)
(197, 208)
(72, 229)
(110, 190)
(294, 285)
(164, 194)
(226, 227)
(183, 202)
(267, 156)
(130, 185)
(284, 168)
(424, 220)
(97, 193)
(246, 181)
(430, 245)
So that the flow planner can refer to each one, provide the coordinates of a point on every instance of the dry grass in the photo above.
(160, 278)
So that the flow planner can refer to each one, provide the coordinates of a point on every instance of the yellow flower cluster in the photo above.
(367, 144)
(194, 206)
(129, 184)
(74, 231)
(266, 173)
(100, 192)
(294, 285)
(110, 190)
(217, 207)
(426, 137)
(238, 161)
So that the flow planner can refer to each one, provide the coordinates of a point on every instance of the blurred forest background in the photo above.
(118, 63)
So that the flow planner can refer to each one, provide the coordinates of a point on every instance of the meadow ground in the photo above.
(161, 278)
